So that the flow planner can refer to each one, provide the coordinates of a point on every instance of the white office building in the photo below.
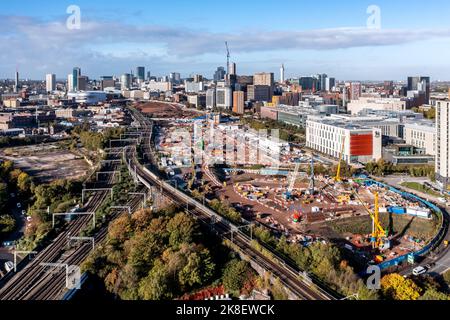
(50, 82)
(388, 104)
(155, 86)
(421, 135)
(224, 97)
(210, 98)
(70, 83)
(361, 144)
(442, 142)
(194, 87)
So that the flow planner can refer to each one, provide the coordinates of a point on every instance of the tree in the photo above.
(3, 196)
(142, 250)
(120, 230)
(235, 274)
(24, 183)
(181, 229)
(6, 168)
(394, 286)
(7, 224)
(156, 285)
(198, 270)
(432, 294)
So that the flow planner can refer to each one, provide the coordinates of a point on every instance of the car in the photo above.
(29, 219)
(19, 205)
(430, 265)
(24, 212)
(12, 195)
(419, 270)
(9, 266)
(8, 244)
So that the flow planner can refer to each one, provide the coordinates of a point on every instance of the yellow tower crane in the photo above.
(341, 158)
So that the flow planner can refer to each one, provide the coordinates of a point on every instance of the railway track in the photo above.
(18, 286)
(53, 286)
(278, 267)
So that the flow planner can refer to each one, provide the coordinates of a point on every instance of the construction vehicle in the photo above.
(338, 177)
(343, 198)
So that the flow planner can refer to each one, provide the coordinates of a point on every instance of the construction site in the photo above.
(371, 221)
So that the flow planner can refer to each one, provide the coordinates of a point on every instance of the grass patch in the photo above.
(421, 188)
(416, 227)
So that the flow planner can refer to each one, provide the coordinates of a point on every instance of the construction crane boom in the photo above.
(379, 235)
(294, 177)
(341, 158)
(228, 57)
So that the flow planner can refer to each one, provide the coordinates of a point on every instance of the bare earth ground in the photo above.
(46, 163)
(165, 110)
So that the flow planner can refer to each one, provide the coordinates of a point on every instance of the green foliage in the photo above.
(382, 167)
(3, 196)
(15, 141)
(236, 273)
(420, 187)
(433, 294)
(181, 229)
(324, 261)
(7, 224)
(428, 114)
(94, 141)
(227, 212)
(198, 270)
(278, 291)
(287, 132)
(91, 140)
(156, 286)
(264, 235)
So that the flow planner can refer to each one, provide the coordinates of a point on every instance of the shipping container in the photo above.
(397, 210)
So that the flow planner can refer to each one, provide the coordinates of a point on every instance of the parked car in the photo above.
(9, 265)
(19, 205)
(419, 270)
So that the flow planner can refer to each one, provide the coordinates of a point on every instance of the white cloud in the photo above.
(32, 42)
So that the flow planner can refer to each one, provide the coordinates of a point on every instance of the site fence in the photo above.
(432, 244)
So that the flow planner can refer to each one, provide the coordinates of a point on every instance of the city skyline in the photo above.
(190, 39)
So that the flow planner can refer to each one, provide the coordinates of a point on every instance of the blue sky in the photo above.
(188, 36)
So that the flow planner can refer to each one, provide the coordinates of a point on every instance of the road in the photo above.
(441, 256)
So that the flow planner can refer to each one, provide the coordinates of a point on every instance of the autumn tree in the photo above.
(156, 285)
(235, 274)
(181, 229)
(395, 287)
